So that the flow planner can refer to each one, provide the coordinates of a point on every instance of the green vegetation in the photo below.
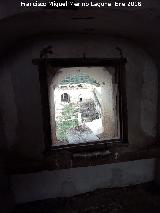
(77, 79)
(68, 120)
(88, 111)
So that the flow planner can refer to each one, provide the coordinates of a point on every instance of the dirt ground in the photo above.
(144, 198)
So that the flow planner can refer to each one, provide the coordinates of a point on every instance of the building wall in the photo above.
(21, 104)
(69, 182)
(7, 201)
(106, 98)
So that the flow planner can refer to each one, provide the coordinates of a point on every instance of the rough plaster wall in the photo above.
(143, 101)
(28, 140)
(23, 104)
(7, 201)
(149, 98)
(70, 182)
(8, 106)
(6, 195)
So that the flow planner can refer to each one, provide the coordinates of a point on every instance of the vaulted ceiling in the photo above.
(140, 24)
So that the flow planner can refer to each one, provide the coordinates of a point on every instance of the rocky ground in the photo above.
(143, 198)
(81, 134)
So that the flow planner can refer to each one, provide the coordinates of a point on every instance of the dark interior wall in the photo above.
(22, 105)
(6, 195)
(20, 83)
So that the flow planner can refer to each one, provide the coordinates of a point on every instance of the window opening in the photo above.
(84, 104)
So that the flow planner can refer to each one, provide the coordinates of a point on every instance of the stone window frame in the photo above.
(118, 64)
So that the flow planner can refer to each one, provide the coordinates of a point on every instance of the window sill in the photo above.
(64, 159)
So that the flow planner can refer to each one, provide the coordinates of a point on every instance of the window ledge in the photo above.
(65, 159)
